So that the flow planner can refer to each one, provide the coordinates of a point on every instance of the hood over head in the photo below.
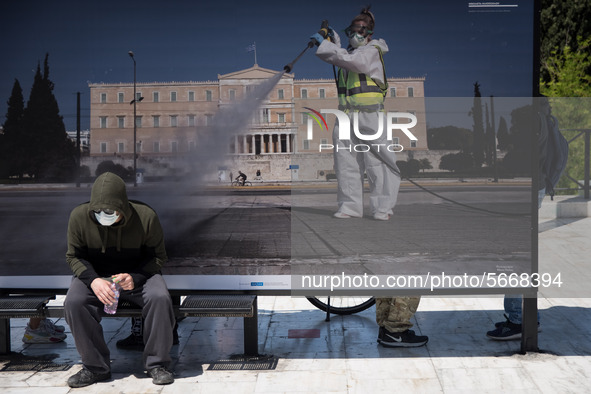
(108, 192)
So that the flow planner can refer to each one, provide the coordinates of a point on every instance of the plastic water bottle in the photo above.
(112, 309)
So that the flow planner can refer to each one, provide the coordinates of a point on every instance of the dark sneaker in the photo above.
(160, 375)
(131, 342)
(505, 331)
(501, 323)
(401, 339)
(136, 342)
(85, 378)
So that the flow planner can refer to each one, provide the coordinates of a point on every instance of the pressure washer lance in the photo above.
(323, 32)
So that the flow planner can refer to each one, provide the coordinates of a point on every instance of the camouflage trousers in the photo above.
(394, 314)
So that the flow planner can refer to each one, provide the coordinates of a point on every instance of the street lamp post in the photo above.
(134, 102)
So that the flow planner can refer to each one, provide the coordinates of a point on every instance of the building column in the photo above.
(273, 143)
(288, 142)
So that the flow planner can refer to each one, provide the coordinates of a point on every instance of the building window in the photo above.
(266, 115)
(304, 93)
(281, 118)
(138, 121)
(324, 141)
(103, 147)
(172, 97)
(138, 96)
(121, 147)
(174, 146)
(191, 120)
(322, 93)
(103, 98)
(396, 140)
(156, 97)
(208, 120)
(173, 120)
(208, 95)
(306, 144)
(191, 96)
(121, 122)
(411, 92)
(156, 147)
(232, 93)
(103, 122)
(413, 143)
(280, 94)
(120, 97)
(392, 92)
(304, 118)
(156, 119)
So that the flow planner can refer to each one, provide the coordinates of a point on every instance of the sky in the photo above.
(451, 43)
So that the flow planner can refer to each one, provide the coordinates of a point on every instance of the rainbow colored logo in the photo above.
(317, 117)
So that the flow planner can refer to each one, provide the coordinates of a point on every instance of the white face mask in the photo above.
(106, 219)
(357, 40)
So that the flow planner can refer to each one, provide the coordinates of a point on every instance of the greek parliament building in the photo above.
(172, 117)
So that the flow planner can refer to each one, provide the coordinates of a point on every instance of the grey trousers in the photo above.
(83, 312)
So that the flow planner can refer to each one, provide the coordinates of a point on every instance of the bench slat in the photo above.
(22, 305)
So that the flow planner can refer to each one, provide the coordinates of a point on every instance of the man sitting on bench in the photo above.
(113, 239)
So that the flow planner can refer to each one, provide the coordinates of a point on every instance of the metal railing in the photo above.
(586, 133)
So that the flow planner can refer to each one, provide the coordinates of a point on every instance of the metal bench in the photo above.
(196, 305)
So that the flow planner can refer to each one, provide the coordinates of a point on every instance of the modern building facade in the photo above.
(173, 118)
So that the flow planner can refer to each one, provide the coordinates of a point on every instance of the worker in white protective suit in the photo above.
(362, 85)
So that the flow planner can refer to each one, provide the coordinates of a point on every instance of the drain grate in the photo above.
(245, 363)
(22, 364)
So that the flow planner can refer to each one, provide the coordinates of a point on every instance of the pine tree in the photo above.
(50, 152)
(11, 143)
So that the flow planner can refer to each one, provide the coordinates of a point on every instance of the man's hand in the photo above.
(124, 280)
(102, 289)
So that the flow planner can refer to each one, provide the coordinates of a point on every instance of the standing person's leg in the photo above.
(135, 340)
(513, 305)
(349, 170)
(82, 311)
(43, 330)
(381, 168)
(393, 317)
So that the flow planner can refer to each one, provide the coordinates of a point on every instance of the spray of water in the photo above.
(180, 211)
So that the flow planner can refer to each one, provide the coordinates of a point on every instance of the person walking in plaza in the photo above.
(362, 85)
(112, 239)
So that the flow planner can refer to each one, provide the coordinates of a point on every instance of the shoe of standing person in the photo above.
(406, 338)
(42, 335)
